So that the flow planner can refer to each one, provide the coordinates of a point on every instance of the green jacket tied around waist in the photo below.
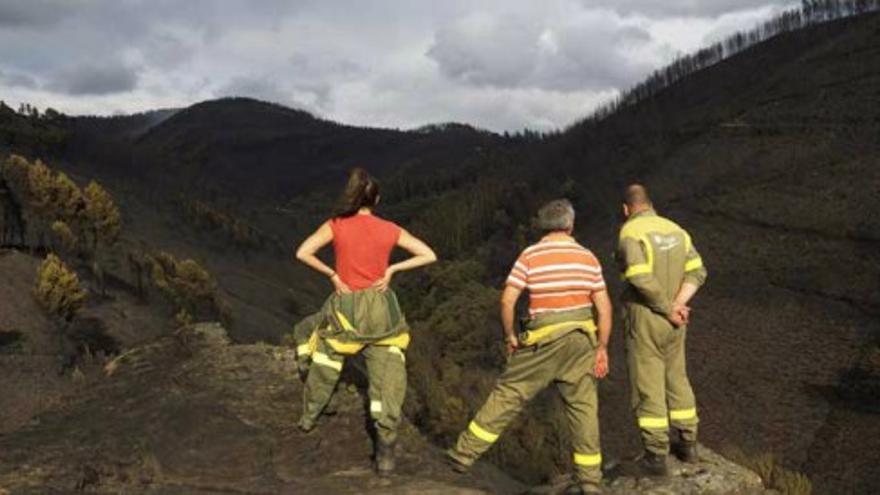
(350, 321)
(550, 326)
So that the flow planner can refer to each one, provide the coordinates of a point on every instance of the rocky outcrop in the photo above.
(190, 413)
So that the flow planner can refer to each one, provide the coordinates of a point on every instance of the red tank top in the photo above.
(363, 245)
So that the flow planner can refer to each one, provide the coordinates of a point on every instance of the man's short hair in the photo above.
(556, 215)
(635, 195)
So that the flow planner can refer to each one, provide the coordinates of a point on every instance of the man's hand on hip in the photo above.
(512, 344)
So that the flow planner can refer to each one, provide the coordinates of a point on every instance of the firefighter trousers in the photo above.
(386, 375)
(661, 392)
(566, 362)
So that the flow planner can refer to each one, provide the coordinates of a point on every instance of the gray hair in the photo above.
(556, 215)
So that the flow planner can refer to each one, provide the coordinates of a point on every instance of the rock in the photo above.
(211, 331)
(713, 475)
(191, 413)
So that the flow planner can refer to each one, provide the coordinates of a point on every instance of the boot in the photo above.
(654, 464)
(305, 425)
(590, 489)
(385, 462)
(455, 463)
(687, 452)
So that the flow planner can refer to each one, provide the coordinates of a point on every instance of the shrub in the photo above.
(64, 236)
(186, 285)
(58, 289)
(102, 215)
(772, 473)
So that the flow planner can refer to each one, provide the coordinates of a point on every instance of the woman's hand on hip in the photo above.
(339, 285)
(383, 283)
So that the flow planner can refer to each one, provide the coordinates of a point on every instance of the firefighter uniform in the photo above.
(657, 257)
(561, 350)
(365, 321)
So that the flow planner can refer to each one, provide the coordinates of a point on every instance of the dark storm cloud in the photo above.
(501, 64)
(94, 79)
(35, 13)
(16, 79)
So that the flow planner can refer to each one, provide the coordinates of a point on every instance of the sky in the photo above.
(502, 65)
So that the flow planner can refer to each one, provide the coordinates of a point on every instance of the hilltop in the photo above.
(189, 412)
(769, 157)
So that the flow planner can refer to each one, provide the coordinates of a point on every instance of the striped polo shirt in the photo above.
(559, 274)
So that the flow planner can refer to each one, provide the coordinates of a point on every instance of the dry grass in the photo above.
(772, 473)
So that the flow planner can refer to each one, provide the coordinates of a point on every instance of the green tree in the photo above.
(58, 289)
(63, 236)
(67, 198)
(15, 171)
(102, 215)
(186, 285)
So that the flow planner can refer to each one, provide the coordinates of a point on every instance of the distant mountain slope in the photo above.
(248, 148)
(771, 159)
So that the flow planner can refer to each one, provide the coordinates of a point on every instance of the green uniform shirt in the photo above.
(656, 257)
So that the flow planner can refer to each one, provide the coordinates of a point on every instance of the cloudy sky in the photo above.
(497, 64)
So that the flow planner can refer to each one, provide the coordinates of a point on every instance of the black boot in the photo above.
(455, 463)
(687, 452)
(590, 489)
(654, 464)
(385, 462)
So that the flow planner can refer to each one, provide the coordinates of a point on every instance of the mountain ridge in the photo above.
(769, 158)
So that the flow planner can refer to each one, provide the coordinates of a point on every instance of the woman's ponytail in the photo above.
(361, 191)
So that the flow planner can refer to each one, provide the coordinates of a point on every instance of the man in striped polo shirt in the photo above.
(560, 344)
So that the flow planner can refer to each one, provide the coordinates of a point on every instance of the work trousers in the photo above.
(386, 374)
(566, 362)
(661, 392)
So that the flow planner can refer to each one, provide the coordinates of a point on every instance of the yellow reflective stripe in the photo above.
(635, 270)
(376, 406)
(539, 334)
(396, 350)
(401, 341)
(650, 251)
(344, 321)
(324, 360)
(481, 433)
(309, 347)
(693, 264)
(587, 459)
(640, 227)
(347, 348)
(653, 423)
(682, 414)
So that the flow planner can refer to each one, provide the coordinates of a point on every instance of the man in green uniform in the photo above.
(663, 271)
(559, 346)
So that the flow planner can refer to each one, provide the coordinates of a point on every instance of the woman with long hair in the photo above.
(362, 315)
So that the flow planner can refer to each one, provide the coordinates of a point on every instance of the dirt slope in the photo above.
(190, 413)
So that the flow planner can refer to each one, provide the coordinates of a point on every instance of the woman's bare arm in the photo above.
(307, 254)
(422, 255)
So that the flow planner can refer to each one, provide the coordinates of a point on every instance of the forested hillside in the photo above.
(763, 146)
